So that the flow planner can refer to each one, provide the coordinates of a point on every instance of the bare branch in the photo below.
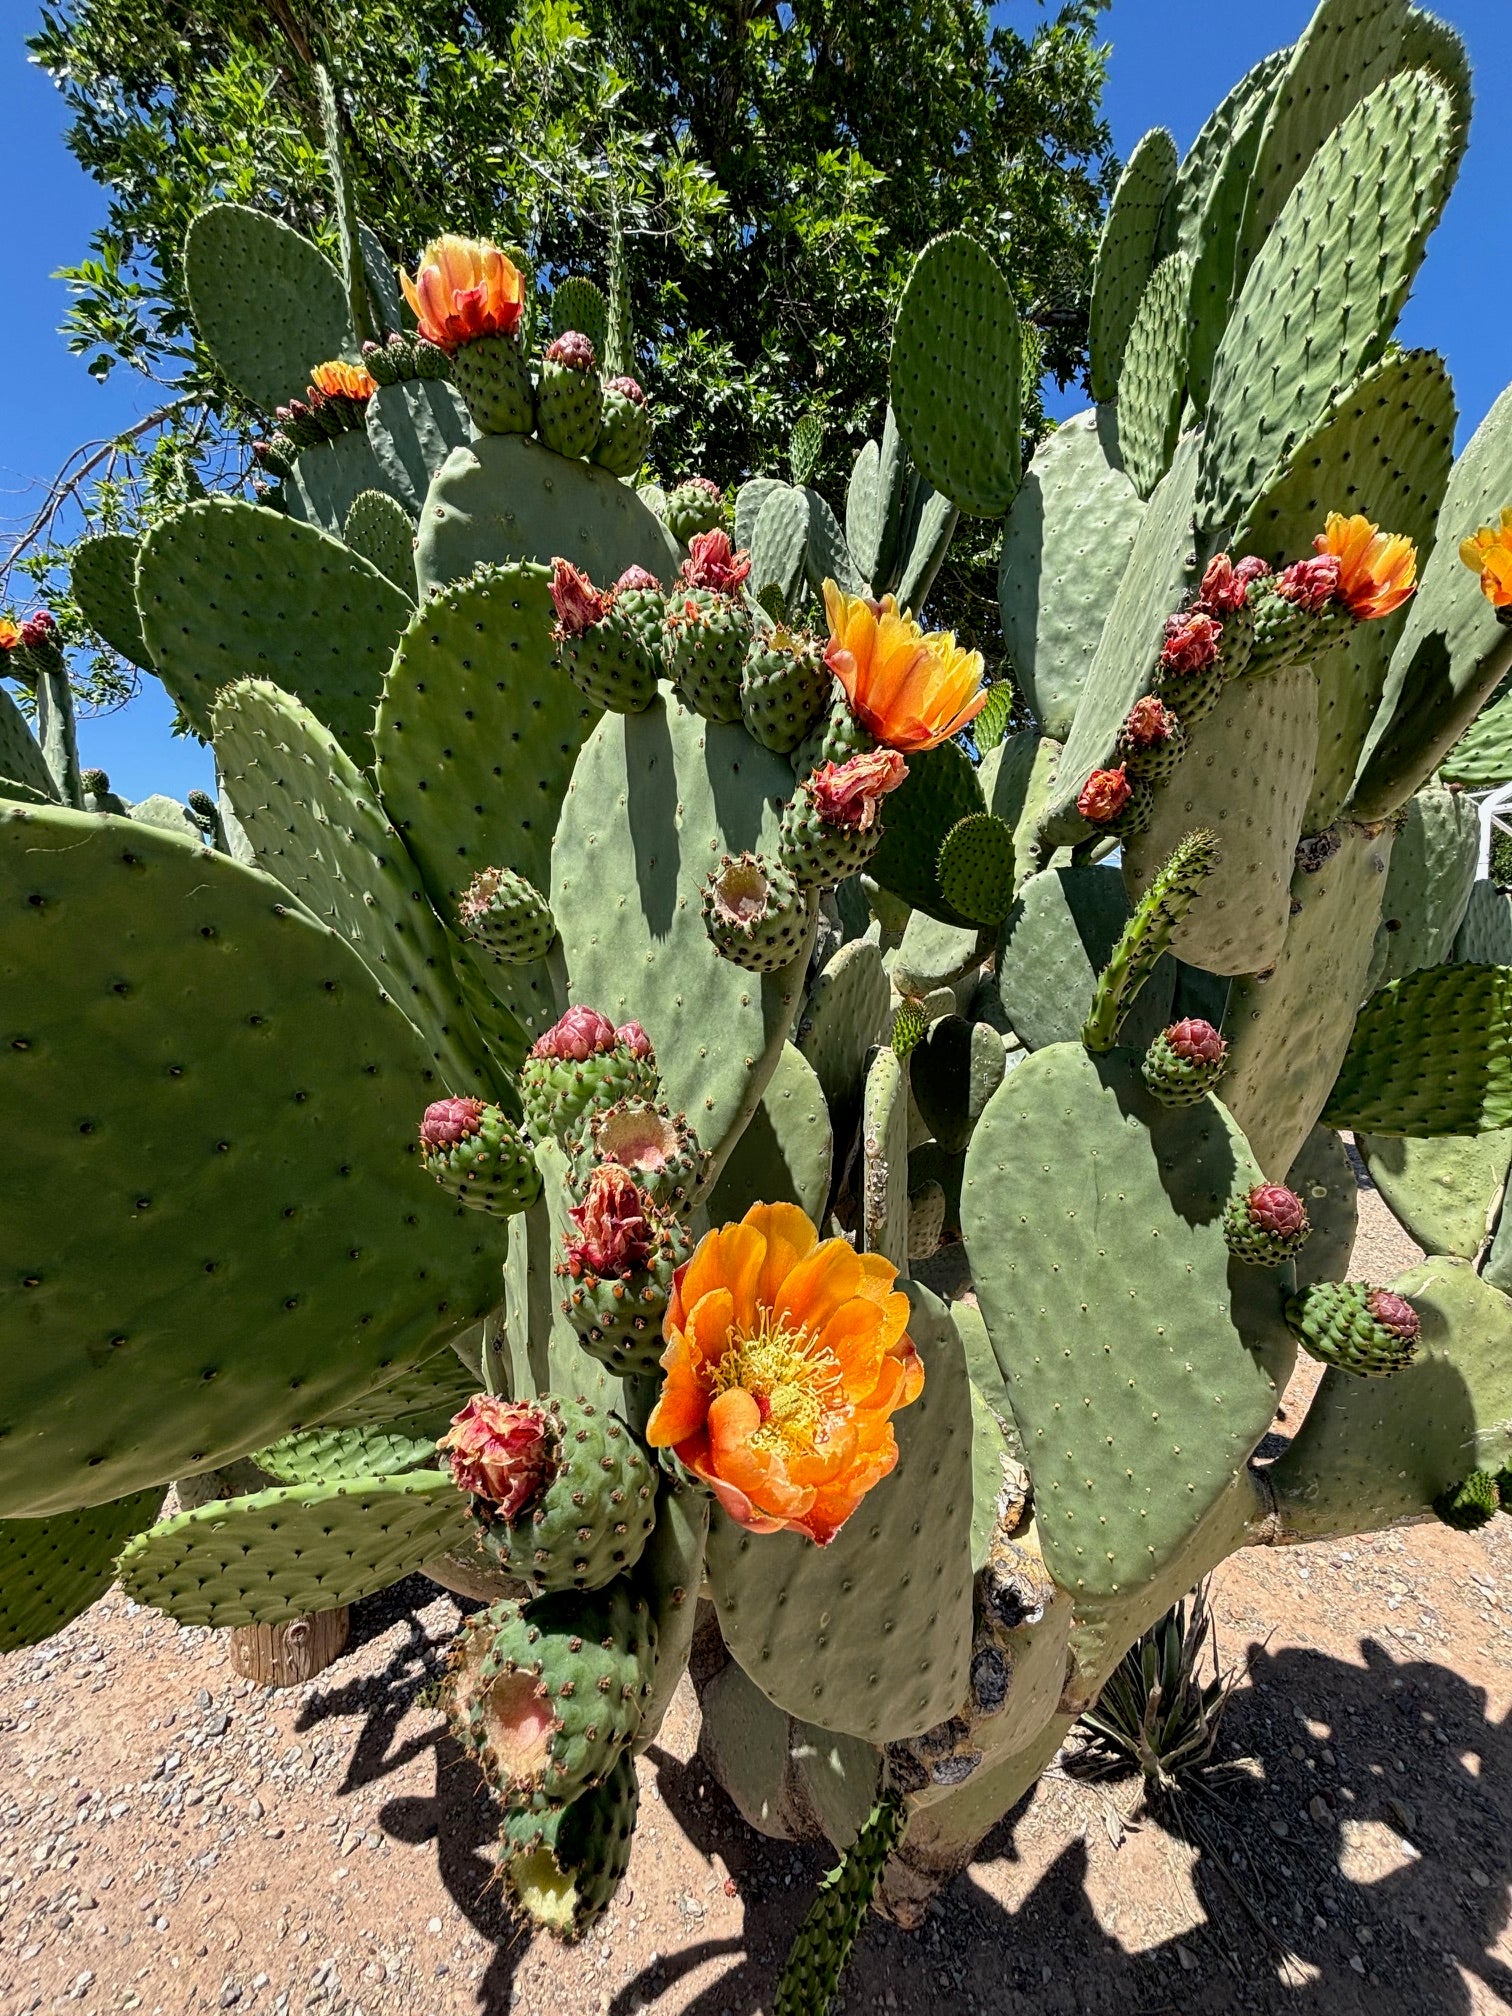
(65, 485)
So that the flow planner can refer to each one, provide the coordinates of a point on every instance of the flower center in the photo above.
(795, 1384)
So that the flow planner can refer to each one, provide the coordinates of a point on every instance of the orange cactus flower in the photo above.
(787, 1356)
(1489, 554)
(912, 689)
(343, 381)
(1377, 570)
(465, 288)
(10, 633)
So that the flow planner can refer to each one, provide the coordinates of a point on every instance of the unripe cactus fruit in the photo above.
(784, 688)
(831, 826)
(505, 913)
(1185, 1062)
(656, 1146)
(609, 640)
(835, 736)
(755, 913)
(582, 1063)
(1191, 672)
(569, 395)
(616, 1271)
(474, 1150)
(696, 505)
(1355, 1327)
(624, 428)
(1268, 1225)
(1152, 740)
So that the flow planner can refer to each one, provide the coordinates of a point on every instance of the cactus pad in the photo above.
(103, 577)
(940, 790)
(268, 306)
(1152, 383)
(785, 1153)
(51, 1570)
(379, 529)
(1430, 1054)
(1126, 255)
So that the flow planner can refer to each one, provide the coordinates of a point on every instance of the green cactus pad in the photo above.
(954, 1072)
(844, 1015)
(1484, 937)
(280, 1554)
(268, 306)
(931, 954)
(828, 557)
(1319, 302)
(1152, 383)
(419, 1399)
(508, 498)
(1323, 1177)
(656, 800)
(1483, 754)
(779, 543)
(1160, 566)
(1246, 777)
(874, 502)
(785, 1153)
(579, 304)
(1385, 449)
(955, 375)
(1126, 255)
(1445, 1191)
(940, 790)
(545, 1353)
(1288, 1032)
(1433, 862)
(823, 1945)
(314, 824)
(348, 1456)
(1147, 937)
(1371, 1452)
(1059, 935)
(230, 590)
(749, 499)
(927, 533)
(1430, 1054)
(884, 1159)
(51, 1570)
(103, 577)
(1071, 525)
(327, 479)
(976, 868)
(23, 767)
(378, 527)
(561, 1868)
(412, 428)
(214, 1121)
(1470, 1504)
(870, 1635)
(1131, 1432)
(670, 1575)
(1452, 653)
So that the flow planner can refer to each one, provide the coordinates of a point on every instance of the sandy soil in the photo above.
(173, 1841)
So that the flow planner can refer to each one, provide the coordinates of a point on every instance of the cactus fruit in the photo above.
(506, 915)
(755, 913)
(1151, 741)
(475, 1152)
(831, 826)
(1355, 1327)
(549, 1694)
(835, 736)
(1185, 1062)
(610, 641)
(493, 376)
(561, 1491)
(695, 505)
(561, 1867)
(569, 395)
(619, 1257)
(708, 629)
(1470, 1504)
(1267, 1225)
(624, 428)
(656, 1147)
(580, 1064)
(784, 688)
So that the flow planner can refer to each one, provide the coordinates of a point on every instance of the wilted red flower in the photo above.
(848, 794)
(1191, 642)
(1104, 795)
(634, 1039)
(613, 1237)
(504, 1451)
(573, 349)
(1310, 584)
(581, 1033)
(629, 388)
(579, 605)
(712, 562)
(1196, 1041)
(1225, 587)
(1150, 723)
(637, 577)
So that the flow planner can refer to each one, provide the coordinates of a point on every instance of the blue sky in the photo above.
(1173, 60)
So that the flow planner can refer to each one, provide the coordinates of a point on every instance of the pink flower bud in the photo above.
(712, 562)
(1395, 1312)
(582, 1033)
(39, 628)
(504, 1451)
(630, 390)
(1196, 1041)
(848, 794)
(1274, 1208)
(448, 1121)
(573, 349)
(635, 1040)
(1191, 642)
(704, 483)
(579, 605)
(1104, 795)
(613, 1236)
(1310, 584)
(637, 577)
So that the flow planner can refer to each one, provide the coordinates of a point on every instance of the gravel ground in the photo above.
(174, 1840)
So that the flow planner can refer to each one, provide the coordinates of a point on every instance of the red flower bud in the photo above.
(712, 562)
(629, 388)
(579, 605)
(1310, 584)
(1196, 1041)
(1395, 1312)
(635, 1040)
(504, 1451)
(448, 1121)
(582, 1033)
(573, 349)
(637, 577)
(613, 1236)
(1104, 795)
(848, 794)
(1191, 642)
(39, 628)
(1276, 1209)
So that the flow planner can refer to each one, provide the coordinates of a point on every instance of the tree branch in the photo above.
(64, 485)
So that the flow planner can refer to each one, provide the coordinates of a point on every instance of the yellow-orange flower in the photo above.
(1377, 570)
(465, 288)
(911, 688)
(10, 633)
(343, 381)
(786, 1358)
(1489, 554)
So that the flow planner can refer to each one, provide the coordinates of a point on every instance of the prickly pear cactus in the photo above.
(612, 960)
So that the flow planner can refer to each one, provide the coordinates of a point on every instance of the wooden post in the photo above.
(282, 1655)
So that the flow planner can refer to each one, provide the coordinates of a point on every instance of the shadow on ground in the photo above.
(1290, 1898)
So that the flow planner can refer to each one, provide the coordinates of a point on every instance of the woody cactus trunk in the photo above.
(781, 1150)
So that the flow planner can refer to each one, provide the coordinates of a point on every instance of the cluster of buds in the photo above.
(580, 606)
(335, 402)
(31, 648)
(583, 1033)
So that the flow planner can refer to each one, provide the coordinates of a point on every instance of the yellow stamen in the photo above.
(793, 1381)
